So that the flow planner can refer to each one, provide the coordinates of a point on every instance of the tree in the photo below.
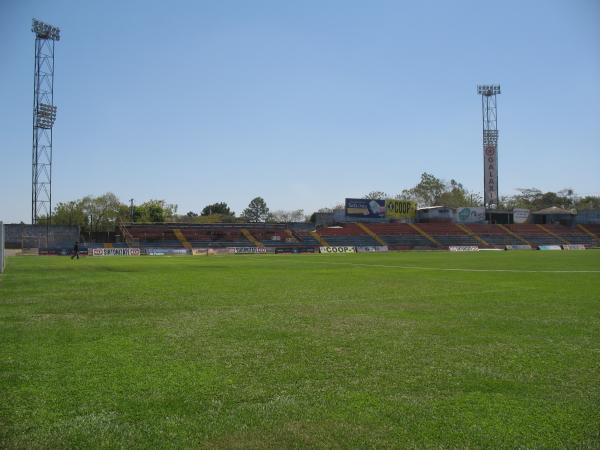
(288, 216)
(257, 211)
(376, 195)
(432, 191)
(69, 213)
(426, 192)
(456, 196)
(217, 208)
(191, 214)
(102, 212)
(588, 202)
(155, 211)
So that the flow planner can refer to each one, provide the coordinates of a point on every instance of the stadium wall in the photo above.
(40, 236)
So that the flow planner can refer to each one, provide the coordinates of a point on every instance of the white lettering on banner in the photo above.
(549, 247)
(520, 215)
(573, 247)
(372, 248)
(114, 252)
(490, 158)
(463, 248)
(251, 250)
(339, 249)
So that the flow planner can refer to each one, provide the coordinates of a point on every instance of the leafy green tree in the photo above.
(432, 191)
(102, 212)
(257, 211)
(588, 202)
(69, 213)
(155, 211)
(217, 208)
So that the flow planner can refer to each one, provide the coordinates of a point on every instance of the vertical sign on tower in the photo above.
(490, 143)
(44, 114)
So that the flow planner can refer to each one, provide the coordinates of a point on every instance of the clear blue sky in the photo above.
(304, 103)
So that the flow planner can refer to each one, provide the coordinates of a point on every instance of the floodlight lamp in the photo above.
(44, 31)
(488, 89)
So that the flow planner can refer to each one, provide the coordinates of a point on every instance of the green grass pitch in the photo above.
(352, 351)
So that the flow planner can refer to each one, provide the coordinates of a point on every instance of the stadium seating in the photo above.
(493, 235)
(400, 236)
(448, 234)
(534, 234)
(397, 236)
(348, 235)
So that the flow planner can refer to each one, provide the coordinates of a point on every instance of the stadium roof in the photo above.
(555, 210)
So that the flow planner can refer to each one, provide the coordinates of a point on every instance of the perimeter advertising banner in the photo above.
(470, 215)
(114, 252)
(165, 251)
(339, 249)
(380, 209)
(251, 250)
(490, 166)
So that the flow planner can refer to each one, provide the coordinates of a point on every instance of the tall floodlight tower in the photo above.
(44, 113)
(490, 143)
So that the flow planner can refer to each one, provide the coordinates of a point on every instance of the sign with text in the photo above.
(520, 215)
(365, 208)
(372, 248)
(114, 252)
(250, 250)
(400, 208)
(470, 215)
(490, 167)
(339, 249)
(463, 248)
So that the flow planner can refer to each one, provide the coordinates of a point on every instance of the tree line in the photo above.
(102, 213)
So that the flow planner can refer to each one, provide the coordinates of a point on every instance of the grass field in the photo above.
(353, 351)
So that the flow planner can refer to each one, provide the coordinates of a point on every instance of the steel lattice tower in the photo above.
(44, 114)
(490, 143)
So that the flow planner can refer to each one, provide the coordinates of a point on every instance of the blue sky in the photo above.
(303, 103)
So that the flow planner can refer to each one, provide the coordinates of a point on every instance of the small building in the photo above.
(554, 215)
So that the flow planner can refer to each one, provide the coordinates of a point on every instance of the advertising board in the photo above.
(380, 209)
(372, 248)
(365, 208)
(294, 250)
(470, 215)
(573, 247)
(339, 249)
(114, 252)
(490, 166)
(518, 247)
(400, 208)
(211, 251)
(549, 247)
(520, 215)
(463, 248)
(250, 250)
(165, 251)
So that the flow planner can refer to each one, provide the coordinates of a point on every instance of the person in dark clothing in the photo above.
(75, 250)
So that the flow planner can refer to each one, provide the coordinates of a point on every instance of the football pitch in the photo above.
(404, 350)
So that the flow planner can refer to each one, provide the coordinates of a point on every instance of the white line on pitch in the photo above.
(444, 269)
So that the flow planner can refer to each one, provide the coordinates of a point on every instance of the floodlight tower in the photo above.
(44, 114)
(490, 143)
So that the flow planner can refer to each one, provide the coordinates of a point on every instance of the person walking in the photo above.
(75, 250)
